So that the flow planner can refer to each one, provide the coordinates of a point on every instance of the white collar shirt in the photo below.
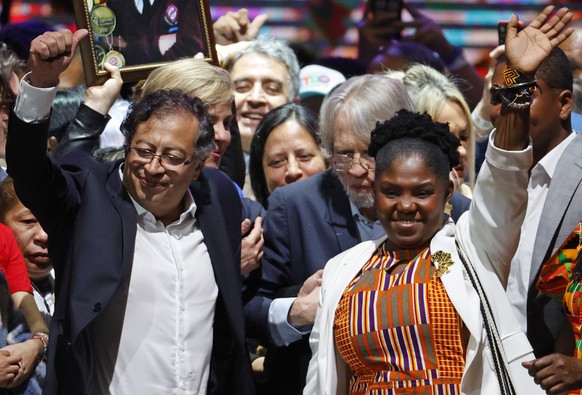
(539, 184)
(167, 311)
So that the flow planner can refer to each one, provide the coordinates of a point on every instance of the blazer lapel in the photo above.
(124, 206)
(211, 221)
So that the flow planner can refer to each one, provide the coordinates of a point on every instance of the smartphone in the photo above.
(390, 9)
(502, 30)
(385, 6)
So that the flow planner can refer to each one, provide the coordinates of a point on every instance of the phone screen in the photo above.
(394, 6)
(391, 9)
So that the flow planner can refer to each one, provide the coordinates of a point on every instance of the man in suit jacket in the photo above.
(147, 260)
(311, 221)
(555, 198)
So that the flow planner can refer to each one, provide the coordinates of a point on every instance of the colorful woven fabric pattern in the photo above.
(556, 281)
(399, 333)
(557, 270)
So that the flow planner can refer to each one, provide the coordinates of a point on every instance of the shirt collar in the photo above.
(550, 160)
(358, 215)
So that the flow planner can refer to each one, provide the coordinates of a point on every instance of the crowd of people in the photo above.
(286, 224)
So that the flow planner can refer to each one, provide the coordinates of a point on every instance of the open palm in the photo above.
(527, 49)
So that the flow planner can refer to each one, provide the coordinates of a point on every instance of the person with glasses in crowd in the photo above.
(313, 220)
(146, 250)
(423, 309)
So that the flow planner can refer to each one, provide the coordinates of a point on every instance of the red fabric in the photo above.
(12, 263)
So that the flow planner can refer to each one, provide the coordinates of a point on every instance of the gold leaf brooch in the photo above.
(442, 260)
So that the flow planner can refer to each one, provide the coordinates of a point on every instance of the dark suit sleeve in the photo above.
(83, 133)
(233, 161)
(274, 266)
(42, 186)
(460, 204)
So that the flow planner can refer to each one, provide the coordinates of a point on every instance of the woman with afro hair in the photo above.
(423, 310)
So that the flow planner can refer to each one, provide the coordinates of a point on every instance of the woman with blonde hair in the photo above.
(440, 97)
(211, 84)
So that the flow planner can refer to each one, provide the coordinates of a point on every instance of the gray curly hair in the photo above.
(279, 51)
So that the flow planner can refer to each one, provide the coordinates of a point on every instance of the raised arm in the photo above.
(35, 175)
(500, 197)
(89, 123)
(525, 51)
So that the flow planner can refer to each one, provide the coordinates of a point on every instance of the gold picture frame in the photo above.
(141, 35)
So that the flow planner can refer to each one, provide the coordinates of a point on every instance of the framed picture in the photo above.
(140, 35)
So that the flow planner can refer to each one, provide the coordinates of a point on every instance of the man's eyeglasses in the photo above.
(345, 162)
(167, 160)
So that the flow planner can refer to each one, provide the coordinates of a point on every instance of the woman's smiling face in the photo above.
(410, 201)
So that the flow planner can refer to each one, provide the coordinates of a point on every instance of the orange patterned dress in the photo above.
(556, 281)
(399, 333)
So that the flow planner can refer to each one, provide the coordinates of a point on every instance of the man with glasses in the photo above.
(146, 251)
(313, 220)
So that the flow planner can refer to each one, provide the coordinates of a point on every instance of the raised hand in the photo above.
(527, 49)
(50, 55)
(427, 32)
(101, 97)
(236, 26)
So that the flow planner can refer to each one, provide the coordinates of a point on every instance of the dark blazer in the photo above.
(91, 222)
(308, 223)
(561, 214)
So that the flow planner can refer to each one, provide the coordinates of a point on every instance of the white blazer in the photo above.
(488, 234)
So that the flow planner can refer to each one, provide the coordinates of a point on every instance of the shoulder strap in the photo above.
(495, 344)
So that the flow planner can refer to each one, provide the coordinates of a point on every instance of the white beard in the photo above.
(359, 199)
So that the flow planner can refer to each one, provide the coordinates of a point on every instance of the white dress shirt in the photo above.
(166, 313)
(155, 336)
(539, 184)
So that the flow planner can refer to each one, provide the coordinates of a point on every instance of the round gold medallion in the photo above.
(102, 20)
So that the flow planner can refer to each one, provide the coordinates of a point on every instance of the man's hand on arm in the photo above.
(251, 245)
(304, 308)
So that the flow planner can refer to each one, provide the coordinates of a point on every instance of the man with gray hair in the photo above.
(313, 220)
(265, 76)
